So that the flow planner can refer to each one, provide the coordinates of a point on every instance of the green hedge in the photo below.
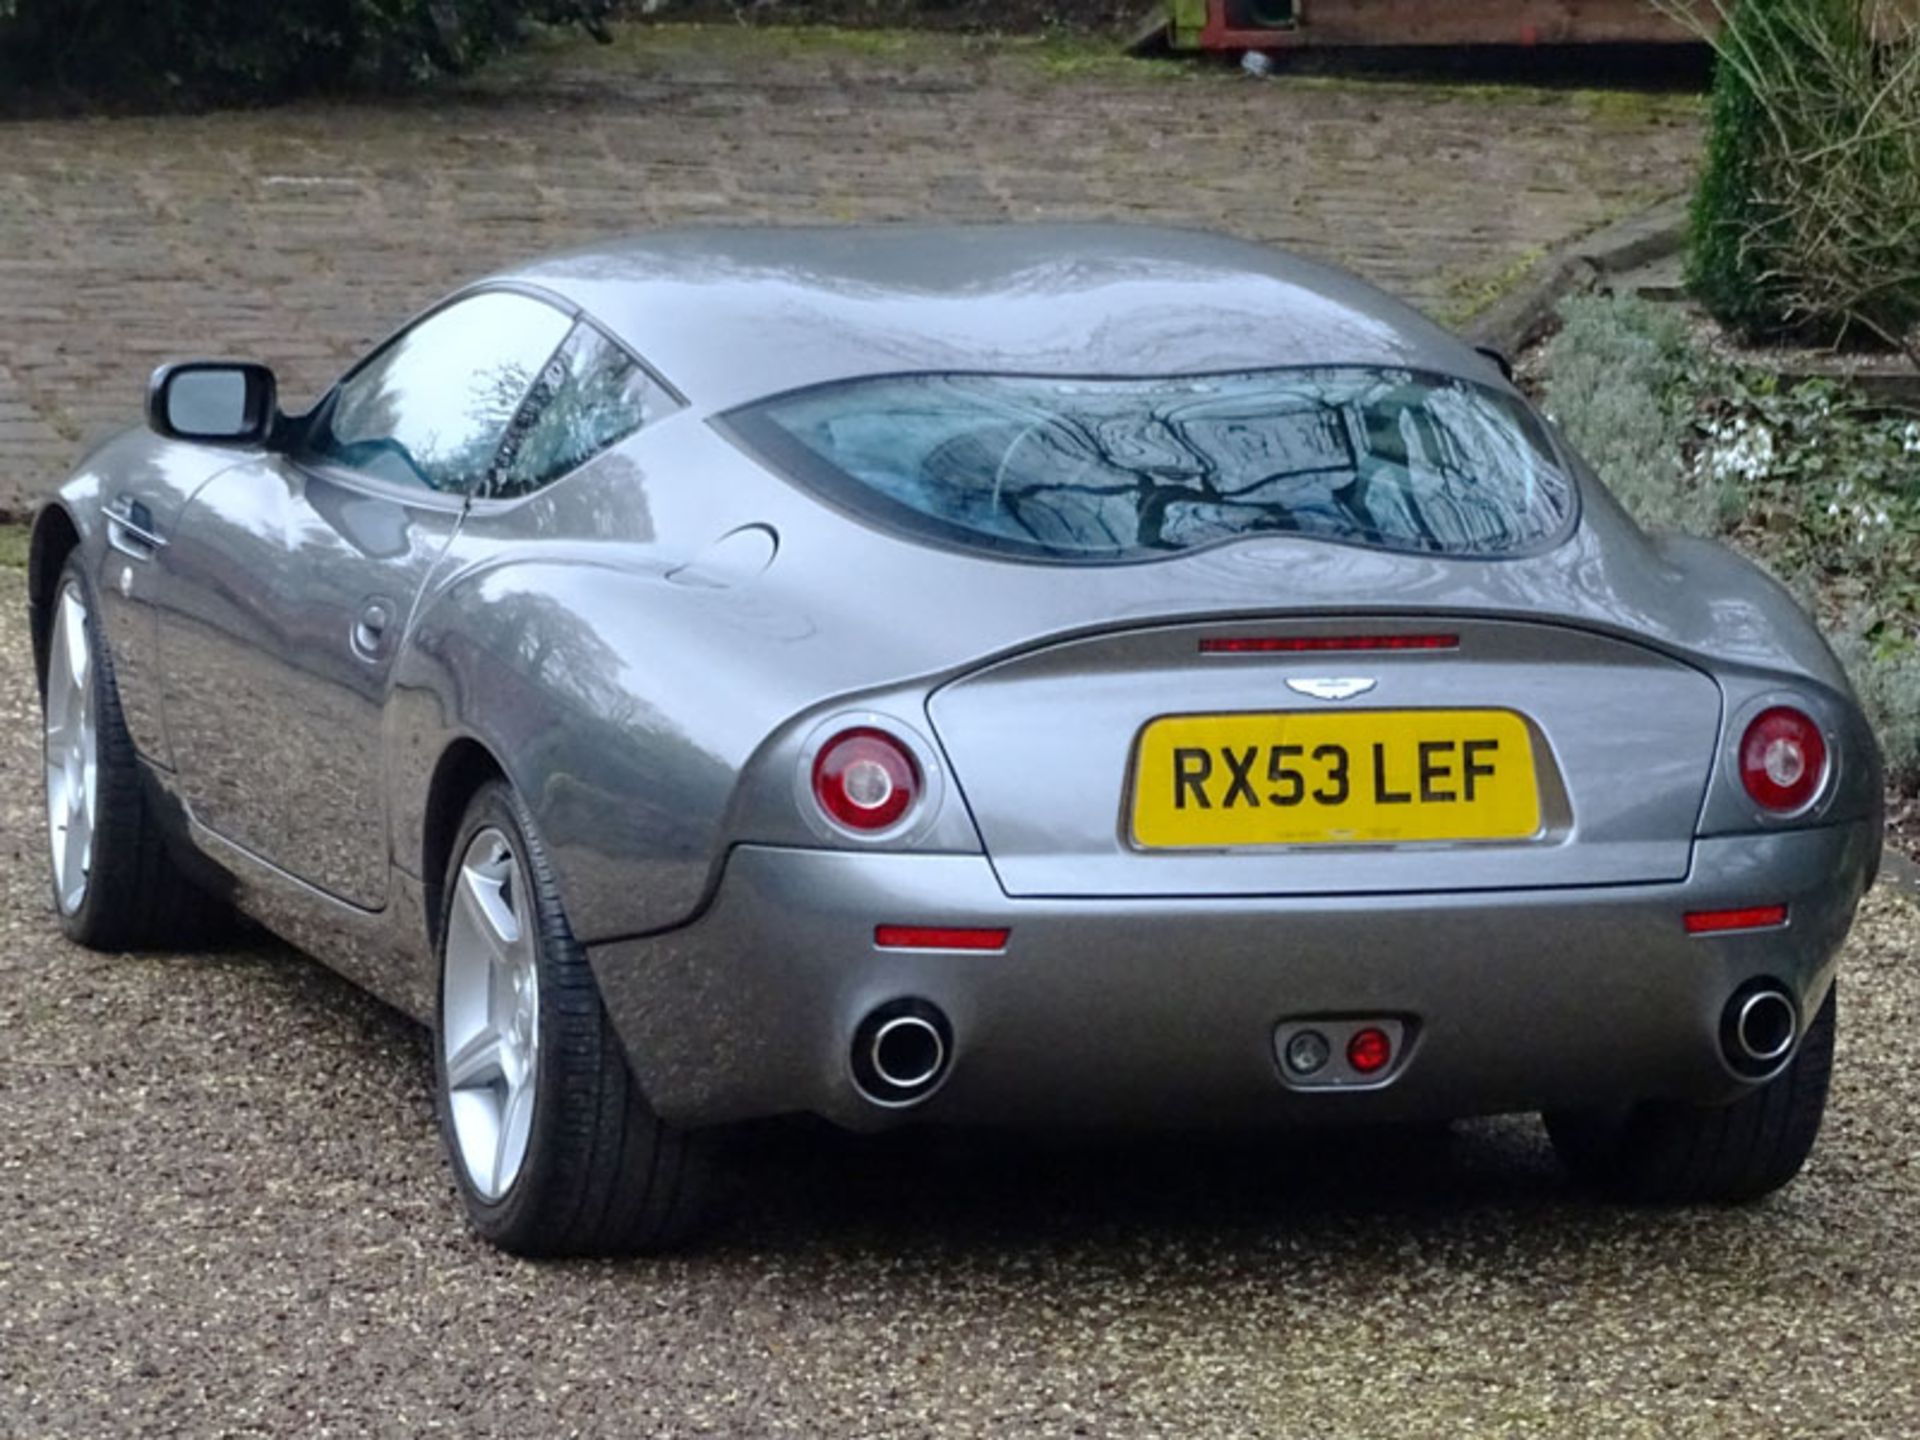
(1727, 261)
(1807, 215)
(198, 51)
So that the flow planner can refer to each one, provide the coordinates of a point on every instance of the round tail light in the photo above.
(865, 780)
(1783, 760)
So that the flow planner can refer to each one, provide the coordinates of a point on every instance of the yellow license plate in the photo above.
(1360, 778)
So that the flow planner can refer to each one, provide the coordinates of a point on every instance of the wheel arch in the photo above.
(464, 766)
(586, 687)
(55, 536)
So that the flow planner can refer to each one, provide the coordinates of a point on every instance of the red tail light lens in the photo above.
(865, 779)
(1783, 760)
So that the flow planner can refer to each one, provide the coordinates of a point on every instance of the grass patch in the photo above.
(1055, 55)
(1637, 109)
(1066, 56)
(1613, 109)
(1468, 295)
(557, 53)
(1058, 53)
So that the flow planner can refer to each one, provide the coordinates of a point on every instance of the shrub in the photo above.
(1617, 385)
(1807, 215)
(192, 51)
(1887, 680)
(1805, 479)
(1726, 266)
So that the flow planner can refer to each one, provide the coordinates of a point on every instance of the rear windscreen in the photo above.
(1108, 470)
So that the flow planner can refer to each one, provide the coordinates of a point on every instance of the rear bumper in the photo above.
(1162, 1012)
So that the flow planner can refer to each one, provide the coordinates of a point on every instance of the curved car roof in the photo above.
(732, 315)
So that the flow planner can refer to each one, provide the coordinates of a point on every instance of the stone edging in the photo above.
(1524, 313)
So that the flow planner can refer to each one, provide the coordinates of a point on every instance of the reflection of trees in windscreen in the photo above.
(465, 452)
(1396, 463)
(442, 438)
(1117, 467)
(591, 395)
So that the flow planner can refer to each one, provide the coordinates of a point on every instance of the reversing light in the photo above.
(865, 779)
(1783, 760)
(1749, 917)
(1369, 1050)
(1307, 1052)
(939, 937)
(1319, 644)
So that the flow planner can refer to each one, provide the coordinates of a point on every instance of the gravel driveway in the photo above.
(223, 1212)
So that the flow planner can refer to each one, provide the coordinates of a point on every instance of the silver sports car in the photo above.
(1026, 675)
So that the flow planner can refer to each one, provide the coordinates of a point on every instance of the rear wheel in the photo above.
(554, 1148)
(115, 883)
(1664, 1152)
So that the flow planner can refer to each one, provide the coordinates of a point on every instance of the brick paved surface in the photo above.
(299, 235)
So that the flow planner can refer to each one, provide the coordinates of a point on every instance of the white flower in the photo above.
(1747, 454)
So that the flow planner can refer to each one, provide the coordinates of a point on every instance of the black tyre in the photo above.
(1665, 1153)
(553, 1146)
(115, 883)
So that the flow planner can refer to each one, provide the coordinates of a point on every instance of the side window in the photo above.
(592, 394)
(432, 408)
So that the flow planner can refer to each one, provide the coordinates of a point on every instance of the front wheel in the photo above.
(1670, 1153)
(116, 885)
(554, 1148)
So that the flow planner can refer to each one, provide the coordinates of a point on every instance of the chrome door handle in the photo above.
(129, 529)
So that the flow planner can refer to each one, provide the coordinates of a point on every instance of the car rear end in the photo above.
(1110, 956)
(1291, 864)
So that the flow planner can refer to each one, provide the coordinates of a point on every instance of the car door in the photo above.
(289, 581)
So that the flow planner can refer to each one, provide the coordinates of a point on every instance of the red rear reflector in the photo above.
(1369, 1050)
(938, 937)
(1316, 644)
(1753, 917)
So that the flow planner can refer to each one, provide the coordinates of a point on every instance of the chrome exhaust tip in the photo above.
(901, 1053)
(1758, 1029)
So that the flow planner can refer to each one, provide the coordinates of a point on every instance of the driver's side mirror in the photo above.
(213, 402)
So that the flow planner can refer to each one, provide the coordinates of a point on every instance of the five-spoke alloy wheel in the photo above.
(117, 884)
(554, 1148)
(490, 1038)
(72, 754)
